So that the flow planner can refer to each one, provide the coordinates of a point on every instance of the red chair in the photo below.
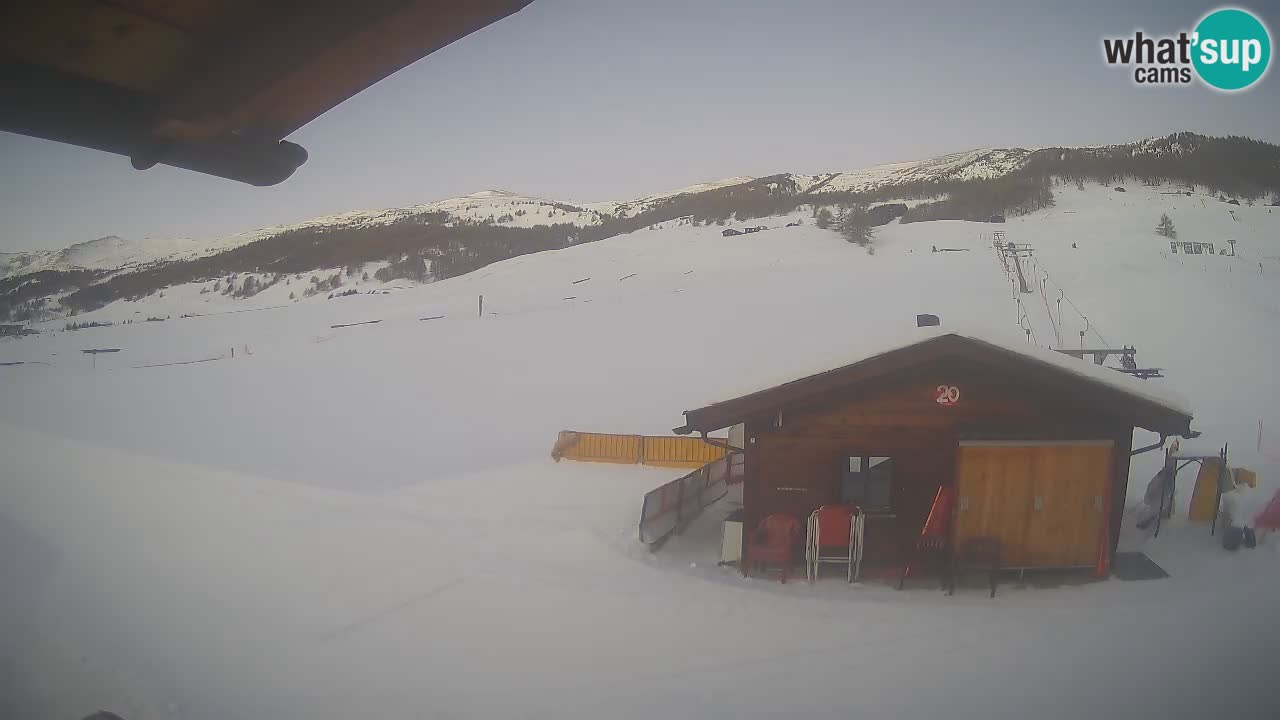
(773, 542)
(934, 536)
(834, 535)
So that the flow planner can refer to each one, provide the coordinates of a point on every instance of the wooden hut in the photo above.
(1035, 444)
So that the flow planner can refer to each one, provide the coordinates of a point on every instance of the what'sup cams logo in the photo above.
(1229, 50)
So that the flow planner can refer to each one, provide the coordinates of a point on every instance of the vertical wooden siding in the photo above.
(659, 451)
(601, 447)
(792, 466)
(679, 451)
(1045, 503)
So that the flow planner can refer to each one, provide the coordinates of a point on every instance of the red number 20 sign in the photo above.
(947, 395)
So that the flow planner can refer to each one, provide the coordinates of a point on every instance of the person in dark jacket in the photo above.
(1159, 494)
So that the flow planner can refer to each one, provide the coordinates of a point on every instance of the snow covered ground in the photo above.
(363, 522)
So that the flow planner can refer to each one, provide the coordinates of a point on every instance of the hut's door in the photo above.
(1045, 502)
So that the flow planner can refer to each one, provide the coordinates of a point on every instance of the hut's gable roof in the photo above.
(1148, 406)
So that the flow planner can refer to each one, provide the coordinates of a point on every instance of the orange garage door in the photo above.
(1045, 502)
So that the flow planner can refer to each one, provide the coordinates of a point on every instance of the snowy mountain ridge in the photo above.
(115, 253)
(433, 241)
(504, 208)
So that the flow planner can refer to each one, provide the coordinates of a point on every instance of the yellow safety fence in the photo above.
(659, 451)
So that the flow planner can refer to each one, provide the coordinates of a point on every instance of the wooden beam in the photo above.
(290, 61)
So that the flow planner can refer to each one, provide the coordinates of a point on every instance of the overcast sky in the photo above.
(607, 99)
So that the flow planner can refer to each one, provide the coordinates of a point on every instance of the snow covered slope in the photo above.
(971, 165)
(634, 207)
(105, 253)
(362, 519)
(1120, 275)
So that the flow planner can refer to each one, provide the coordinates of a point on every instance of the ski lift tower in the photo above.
(1016, 251)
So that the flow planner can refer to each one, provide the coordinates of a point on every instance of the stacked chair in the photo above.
(835, 536)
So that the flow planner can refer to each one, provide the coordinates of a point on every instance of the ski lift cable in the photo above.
(1044, 297)
(1030, 331)
(1029, 327)
(1024, 318)
(1048, 310)
(1038, 268)
(1077, 310)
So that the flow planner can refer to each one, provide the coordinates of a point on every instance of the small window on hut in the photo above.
(867, 481)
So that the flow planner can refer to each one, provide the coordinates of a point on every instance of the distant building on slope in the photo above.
(1191, 248)
(730, 232)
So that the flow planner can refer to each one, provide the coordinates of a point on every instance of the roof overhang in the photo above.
(1107, 397)
(213, 86)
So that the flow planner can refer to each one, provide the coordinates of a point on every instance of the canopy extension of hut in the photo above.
(211, 86)
(1034, 446)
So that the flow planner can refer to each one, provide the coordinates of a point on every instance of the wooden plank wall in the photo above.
(1000, 485)
(1123, 439)
(678, 451)
(796, 471)
(599, 447)
(794, 468)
